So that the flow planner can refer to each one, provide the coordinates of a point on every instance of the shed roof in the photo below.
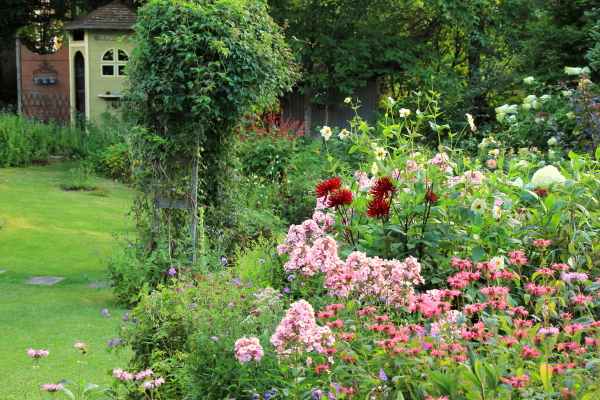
(115, 15)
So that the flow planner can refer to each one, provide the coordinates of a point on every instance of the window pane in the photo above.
(108, 56)
(108, 70)
(78, 35)
(123, 56)
(121, 69)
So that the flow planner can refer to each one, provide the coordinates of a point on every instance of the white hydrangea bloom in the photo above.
(529, 99)
(546, 176)
(529, 80)
(506, 109)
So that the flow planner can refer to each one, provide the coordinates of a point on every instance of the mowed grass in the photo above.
(49, 232)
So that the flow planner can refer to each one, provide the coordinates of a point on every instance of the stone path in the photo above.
(44, 280)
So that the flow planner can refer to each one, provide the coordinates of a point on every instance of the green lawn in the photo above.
(50, 232)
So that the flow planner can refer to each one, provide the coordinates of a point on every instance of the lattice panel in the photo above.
(48, 106)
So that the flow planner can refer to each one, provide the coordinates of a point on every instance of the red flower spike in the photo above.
(431, 197)
(378, 208)
(330, 185)
(541, 192)
(383, 188)
(340, 198)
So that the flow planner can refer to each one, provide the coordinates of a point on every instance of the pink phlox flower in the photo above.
(248, 349)
(517, 257)
(461, 264)
(560, 267)
(573, 328)
(37, 353)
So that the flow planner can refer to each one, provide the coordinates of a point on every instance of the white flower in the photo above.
(500, 116)
(494, 152)
(483, 143)
(552, 141)
(522, 164)
(526, 106)
(570, 115)
(550, 153)
(577, 71)
(536, 104)
(529, 99)
(404, 112)
(566, 93)
(374, 169)
(546, 176)
(380, 153)
(391, 101)
(496, 212)
(373, 145)
(326, 132)
(343, 134)
(506, 109)
(545, 98)
(498, 262)
(517, 182)
(471, 122)
(478, 206)
(347, 100)
(529, 80)
(419, 113)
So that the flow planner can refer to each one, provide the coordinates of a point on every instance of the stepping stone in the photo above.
(44, 280)
(2, 271)
(99, 284)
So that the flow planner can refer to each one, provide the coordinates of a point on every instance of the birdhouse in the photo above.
(99, 50)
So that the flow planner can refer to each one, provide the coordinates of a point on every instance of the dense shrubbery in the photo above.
(423, 275)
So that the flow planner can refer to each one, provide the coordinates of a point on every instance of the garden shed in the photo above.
(99, 49)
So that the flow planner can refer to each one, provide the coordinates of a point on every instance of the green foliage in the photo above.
(113, 162)
(196, 69)
(28, 141)
(80, 180)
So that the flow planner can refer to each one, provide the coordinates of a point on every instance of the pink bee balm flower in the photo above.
(144, 374)
(122, 375)
(37, 353)
(52, 388)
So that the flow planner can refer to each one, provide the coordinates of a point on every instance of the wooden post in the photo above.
(19, 78)
(194, 204)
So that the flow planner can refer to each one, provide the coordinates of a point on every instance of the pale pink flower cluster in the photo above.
(155, 383)
(37, 353)
(363, 180)
(442, 161)
(303, 234)
(299, 332)
(390, 280)
(448, 322)
(411, 167)
(248, 349)
(574, 276)
(475, 178)
(122, 375)
(306, 260)
(144, 374)
(323, 219)
(52, 387)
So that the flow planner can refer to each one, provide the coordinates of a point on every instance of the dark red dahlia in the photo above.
(541, 192)
(431, 197)
(378, 208)
(383, 188)
(330, 185)
(340, 198)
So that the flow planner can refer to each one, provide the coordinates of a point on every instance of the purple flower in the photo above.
(382, 375)
(134, 320)
(261, 261)
(230, 305)
(214, 338)
(286, 290)
(273, 390)
(248, 284)
(255, 396)
(317, 394)
(291, 278)
(172, 271)
(267, 395)
(223, 261)
(105, 312)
